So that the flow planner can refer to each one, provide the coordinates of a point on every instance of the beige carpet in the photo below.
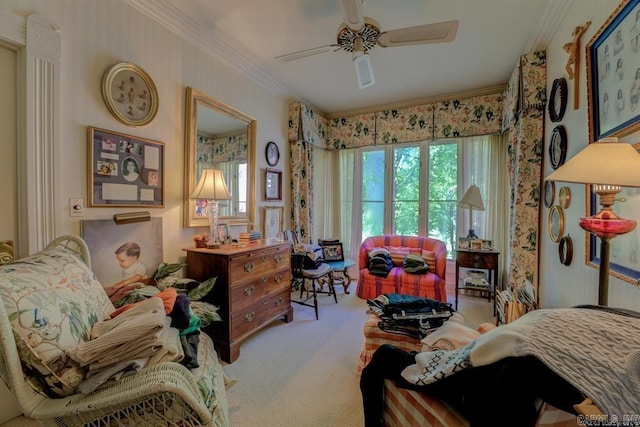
(303, 373)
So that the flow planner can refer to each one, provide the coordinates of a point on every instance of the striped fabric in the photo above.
(404, 407)
(429, 285)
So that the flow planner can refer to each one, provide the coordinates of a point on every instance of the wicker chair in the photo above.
(161, 394)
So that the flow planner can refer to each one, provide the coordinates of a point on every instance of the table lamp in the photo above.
(607, 165)
(472, 200)
(213, 188)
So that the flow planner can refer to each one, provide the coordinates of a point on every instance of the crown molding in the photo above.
(549, 23)
(169, 16)
(490, 90)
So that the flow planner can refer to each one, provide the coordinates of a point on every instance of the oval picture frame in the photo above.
(555, 224)
(549, 193)
(564, 197)
(558, 100)
(558, 147)
(565, 250)
(272, 153)
(130, 94)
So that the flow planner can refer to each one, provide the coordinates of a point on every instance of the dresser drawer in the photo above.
(262, 311)
(488, 260)
(244, 293)
(258, 263)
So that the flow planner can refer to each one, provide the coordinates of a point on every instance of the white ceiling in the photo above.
(248, 34)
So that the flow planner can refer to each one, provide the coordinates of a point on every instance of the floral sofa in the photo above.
(430, 284)
(49, 303)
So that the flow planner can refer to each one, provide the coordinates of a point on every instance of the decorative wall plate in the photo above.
(556, 223)
(564, 197)
(558, 100)
(272, 153)
(549, 193)
(565, 250)
(558, 147)
(130, 94)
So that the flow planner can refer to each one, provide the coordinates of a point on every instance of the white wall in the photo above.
(97, 34)
(562, 286)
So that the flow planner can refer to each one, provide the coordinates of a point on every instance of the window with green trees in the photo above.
(417, 196)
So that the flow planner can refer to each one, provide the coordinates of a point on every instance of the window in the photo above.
(396, 201)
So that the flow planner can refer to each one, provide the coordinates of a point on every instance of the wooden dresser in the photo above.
(252, 289)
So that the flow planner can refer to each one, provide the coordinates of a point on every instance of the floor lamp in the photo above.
(213, 188)
(471, 200)
(607, 165)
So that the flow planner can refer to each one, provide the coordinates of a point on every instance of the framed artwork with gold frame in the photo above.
(555, 223)
(130, 94)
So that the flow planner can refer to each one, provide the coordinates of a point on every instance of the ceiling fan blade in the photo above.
(307, 52)
(431, 33)
(352, 13)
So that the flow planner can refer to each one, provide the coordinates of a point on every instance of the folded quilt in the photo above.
(124, 337)
(597, 350)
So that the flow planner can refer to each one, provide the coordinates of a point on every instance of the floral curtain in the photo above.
(404, 124)
(524, 165)
(352, 132)
(478, 115)
(302, 189)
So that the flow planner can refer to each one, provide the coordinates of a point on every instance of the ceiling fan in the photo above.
(359, 34)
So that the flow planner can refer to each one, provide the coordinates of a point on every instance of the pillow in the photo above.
(449, 336)
(52, 299)
(398, 254)
(430, 258)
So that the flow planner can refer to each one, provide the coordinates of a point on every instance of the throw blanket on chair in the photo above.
(595, 350)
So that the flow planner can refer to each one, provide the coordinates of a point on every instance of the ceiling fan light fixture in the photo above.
(364, 71)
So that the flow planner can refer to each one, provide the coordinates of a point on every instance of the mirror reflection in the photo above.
(219, 137)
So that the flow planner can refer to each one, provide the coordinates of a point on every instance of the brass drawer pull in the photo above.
(248, 291)
(249, 317)
(248, 267)
(265, 301)
(278, 279)
(278, 301)
(264, 279)
(264, 258)
(278, 259)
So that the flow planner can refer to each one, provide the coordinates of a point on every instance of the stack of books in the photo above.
(251, 237)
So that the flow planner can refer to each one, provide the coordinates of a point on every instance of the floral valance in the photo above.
(527, 87)
(307, 125)
(352, 132)
(210, 151)
(478, 115)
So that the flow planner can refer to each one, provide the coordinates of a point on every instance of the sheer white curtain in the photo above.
(482, 161)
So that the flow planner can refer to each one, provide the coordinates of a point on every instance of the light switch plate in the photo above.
(76, 207)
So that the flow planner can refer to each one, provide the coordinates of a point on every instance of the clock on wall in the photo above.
(272, 153)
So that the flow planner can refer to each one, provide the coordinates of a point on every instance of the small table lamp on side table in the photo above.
(213, 188)
(471, 200)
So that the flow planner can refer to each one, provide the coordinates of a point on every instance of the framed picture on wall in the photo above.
(273, 185)
(272, 221)
(613, 73)
(124, 170)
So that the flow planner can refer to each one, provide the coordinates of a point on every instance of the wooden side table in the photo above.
(482, 260)
(340, 273)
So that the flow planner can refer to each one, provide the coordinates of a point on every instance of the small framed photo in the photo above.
(476, 245)
(333, 252)
(487, 245)
(223, 233)
(464, 243)
(273, 185)
(272, 222)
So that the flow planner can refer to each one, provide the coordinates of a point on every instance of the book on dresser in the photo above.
(252, 289)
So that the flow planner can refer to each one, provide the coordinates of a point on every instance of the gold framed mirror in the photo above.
(219, 136)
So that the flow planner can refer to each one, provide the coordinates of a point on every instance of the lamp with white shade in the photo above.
(471, 200)
(607, 165)
(212, 188)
